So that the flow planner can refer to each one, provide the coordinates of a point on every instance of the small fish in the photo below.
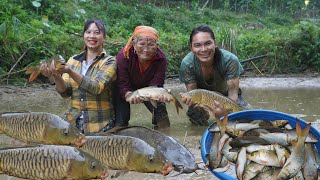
(241, 163)
(152, 94)
(297, 157)
(127, 153)
(214, 157)
(252, 169)
(282, 153)
(310, 167)
(268, 175)
(50, 162)
(59, 62)
(265, 157)
(41, 128)
(231, 156)
(206, 97)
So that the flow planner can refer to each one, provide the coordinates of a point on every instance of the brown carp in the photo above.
(182, 159)
(297, 157)
(50, 162)
(202, 97)
(152, 94)
(127, 153)
(34, 71)
(265, 157)
(40, 127)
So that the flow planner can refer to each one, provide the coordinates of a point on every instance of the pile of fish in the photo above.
(262, 149)
(58, 150)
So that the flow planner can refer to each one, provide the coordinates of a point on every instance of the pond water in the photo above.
(301, 102)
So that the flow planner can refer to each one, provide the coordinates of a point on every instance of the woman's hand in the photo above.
(133, 99)
(186, 99)
(164, 99)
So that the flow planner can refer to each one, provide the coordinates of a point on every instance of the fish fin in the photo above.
(293, 143)
(30, 70)
(118, 173)
(154, 103)
(223, 169)
(34, 75)
(177, 104)
(302, 133)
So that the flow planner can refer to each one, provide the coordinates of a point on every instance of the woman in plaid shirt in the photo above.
(87, 79)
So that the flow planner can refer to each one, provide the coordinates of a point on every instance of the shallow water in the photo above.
(302, 102)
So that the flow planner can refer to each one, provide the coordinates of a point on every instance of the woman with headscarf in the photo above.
(140, 64)
(87, 79)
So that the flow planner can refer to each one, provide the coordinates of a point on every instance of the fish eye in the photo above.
(93, 165)
(66, 131)
(150, 158)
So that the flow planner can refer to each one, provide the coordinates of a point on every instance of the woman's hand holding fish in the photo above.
(133, 99)
(186, 99)
(164, 99)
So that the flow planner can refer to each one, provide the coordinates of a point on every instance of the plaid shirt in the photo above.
(92, 99)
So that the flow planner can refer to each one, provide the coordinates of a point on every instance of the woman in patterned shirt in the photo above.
(87, 79)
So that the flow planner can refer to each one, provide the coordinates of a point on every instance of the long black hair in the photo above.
(207, 29)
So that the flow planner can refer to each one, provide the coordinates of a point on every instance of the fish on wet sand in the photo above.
(34, 71)
(153, 94)
(40, 127)
(202, 97)
(50, 162)
(127, 153)
(181, 158)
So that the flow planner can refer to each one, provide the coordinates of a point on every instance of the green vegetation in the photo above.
(31, 31)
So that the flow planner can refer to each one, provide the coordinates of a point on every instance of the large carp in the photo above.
(50, 162)
(205, 97)
(181, 158)
(34, 71)
(40, 127)
(127, 153)
(152, 94)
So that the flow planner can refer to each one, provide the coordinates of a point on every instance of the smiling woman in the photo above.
(87, 79)
(141, 63)
(211, 68)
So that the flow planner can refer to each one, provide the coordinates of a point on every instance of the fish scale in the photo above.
(126, 153)
(28, 165)
(50, 162)
(206, 97)
(46, 128)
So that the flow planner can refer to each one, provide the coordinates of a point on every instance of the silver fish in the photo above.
(296, 160)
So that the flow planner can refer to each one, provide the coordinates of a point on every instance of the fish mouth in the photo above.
(80, 141)
(104, 175)
(167, 168)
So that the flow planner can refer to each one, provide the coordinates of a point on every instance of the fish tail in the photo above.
(302, 133)
(34, 75)
(177, 104)
(222, 124)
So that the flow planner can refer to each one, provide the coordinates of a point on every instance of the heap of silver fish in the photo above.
(262, 149)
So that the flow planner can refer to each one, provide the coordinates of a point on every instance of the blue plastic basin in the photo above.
(267, 115)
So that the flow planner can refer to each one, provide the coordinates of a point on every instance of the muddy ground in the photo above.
(42, 93)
